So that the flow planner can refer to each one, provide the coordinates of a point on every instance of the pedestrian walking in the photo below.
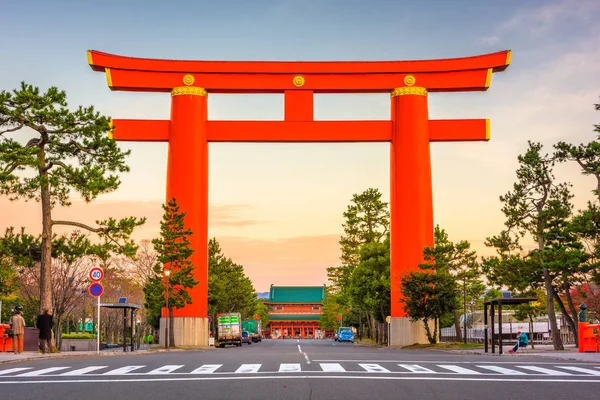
(17, 324)
(45, 323)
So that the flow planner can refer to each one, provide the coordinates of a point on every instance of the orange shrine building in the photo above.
(295, 312)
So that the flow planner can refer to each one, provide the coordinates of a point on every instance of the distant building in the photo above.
(295, 312)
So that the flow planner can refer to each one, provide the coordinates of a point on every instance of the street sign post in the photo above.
(96, 290)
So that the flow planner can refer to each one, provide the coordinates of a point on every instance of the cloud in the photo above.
(28, 215)
(488, 40)
(538, 19)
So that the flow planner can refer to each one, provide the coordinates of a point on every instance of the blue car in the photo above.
(344, 335)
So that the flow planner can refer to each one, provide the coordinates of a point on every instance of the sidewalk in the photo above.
(541, 350)
(10, 357)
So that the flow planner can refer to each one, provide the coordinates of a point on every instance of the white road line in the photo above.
(502, 370)
(42, 371)
(460, 370)
(458, 362)
(307, 359)
(82, 371)
(583, 370)
(373, 368)
(417, 368)
(289, 368)
(11, 370)
(166, 369)
(207, 369)
(248, 368)
(543, 370)
(253, 377)
(299, 349)
(123, 370)
(332, 367)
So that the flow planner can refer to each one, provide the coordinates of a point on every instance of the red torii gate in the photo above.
(409, 131)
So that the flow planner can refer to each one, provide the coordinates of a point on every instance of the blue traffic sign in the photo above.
(209, 320)
(96, 289)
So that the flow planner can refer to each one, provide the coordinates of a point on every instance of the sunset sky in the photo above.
(277, 208)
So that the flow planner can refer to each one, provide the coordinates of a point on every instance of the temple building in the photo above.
(295, 312)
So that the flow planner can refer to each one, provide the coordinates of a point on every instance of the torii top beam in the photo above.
(158, 75)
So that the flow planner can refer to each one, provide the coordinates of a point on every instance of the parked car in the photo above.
(246, 337)
(344, 334)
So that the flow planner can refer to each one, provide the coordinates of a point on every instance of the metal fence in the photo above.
(476, 335)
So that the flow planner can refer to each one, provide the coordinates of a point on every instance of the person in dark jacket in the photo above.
(45, 323)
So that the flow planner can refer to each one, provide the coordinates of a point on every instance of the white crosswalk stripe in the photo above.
(502, 370)
(11, 370)
(543, 370)
(166, 369)
(207, 369)
(248, 368)
(43, 371)
(417, 368)
(460, 370)
(289, 368)
(373, 368)
(582, 370)
(332, 367)
(82, 371)
(124, 370)
(325, 367)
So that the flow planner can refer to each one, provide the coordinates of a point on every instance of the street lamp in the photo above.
(167, 273)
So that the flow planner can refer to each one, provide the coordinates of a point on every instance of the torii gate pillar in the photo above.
(409, 131)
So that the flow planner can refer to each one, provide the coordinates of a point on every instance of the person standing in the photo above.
(45, 323)
(18, 328)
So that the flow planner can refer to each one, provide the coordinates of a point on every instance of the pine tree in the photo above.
(173, 253)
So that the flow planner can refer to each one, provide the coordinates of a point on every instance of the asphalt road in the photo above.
(291, 369)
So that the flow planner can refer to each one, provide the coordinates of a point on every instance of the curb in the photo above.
(111, 354)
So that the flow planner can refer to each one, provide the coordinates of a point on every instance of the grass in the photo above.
(450, 345)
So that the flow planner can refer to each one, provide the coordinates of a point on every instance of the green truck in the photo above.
(254, 330)
(230, 329)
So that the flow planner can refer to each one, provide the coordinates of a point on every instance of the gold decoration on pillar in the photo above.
(188, 79)
(111, 129)
(409, 90)
(299, 80)
(410, 80)
(189, 90)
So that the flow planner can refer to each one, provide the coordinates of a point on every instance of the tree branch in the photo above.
(80, 225)
(12, 129)
(52, 164)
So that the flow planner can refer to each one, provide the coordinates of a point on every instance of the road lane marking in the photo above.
(11, 370)
(207, 369)
(543, 370)
(165, 369)
(373, 368)
(42, 371)
(123, 370)
(459, 362)
(332, 367)
(583, 370)
(460, 370)
(417, 368)
(289, 368)
(248, 368)
(502, 370)
(82, 371)
(299, 349)
(252, 377)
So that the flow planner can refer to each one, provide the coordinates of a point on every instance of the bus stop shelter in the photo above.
(499, 302)
(125, 307)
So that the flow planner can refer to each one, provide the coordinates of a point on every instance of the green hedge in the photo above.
(78, 336)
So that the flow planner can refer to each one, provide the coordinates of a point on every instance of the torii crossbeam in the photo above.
(409, 131)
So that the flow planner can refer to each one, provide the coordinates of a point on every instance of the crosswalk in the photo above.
(329, 367)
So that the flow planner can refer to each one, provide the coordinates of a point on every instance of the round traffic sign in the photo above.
(209, 320)
(96, 274)
(96, 289)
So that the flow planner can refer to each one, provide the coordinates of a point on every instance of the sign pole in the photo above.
(98, 329)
